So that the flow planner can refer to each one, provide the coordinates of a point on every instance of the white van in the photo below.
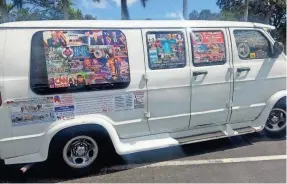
(68, 87)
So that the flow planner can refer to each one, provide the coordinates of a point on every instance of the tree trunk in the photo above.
(66, 9)
(3, 11)
(185, 9)
(268, 14)
(124, 10)
(246, 10)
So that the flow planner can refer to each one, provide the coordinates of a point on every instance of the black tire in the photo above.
(56, 158)
(276, 112)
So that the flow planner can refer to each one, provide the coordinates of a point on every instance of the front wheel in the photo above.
(276, 123)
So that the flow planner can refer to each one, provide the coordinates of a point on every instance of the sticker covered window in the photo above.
(166, 50)
(81, 60)
(208, 48)
(251, 44)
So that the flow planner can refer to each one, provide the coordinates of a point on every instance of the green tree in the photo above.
(6, 8)
(234, 6)
(89, 17)
(207, 15)
(25, 14)
(65, 7)
(265, 11)
(261, 10)
(193, 15)
(272, 6)
(15, 5)
(203, 15)
(125, 11)
(227, 15)
(268, 11)
(76, 14)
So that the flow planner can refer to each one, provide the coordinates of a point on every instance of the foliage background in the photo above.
(271, 12)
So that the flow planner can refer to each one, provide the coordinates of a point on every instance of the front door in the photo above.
(211, 76)
(258, 75)
(168, 74)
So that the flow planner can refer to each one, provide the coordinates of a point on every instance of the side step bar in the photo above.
(214, 135)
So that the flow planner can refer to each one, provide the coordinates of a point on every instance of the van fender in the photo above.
(101, 120)
(262, 118)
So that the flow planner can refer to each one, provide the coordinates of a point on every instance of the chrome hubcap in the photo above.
(80, 152)
(276, 120)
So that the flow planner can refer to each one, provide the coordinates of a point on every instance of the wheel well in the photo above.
(281, 103)
(97, 130)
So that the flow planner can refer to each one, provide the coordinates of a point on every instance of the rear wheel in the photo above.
(78, 153)
(276, 123)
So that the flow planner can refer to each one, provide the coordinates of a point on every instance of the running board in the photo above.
(215, 135)
(245, 130)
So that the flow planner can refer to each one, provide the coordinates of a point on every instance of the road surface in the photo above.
(248, 158)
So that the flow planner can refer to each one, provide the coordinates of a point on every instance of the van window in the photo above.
(166, 50)
(251, 44)
(80, 60)
(208, 48)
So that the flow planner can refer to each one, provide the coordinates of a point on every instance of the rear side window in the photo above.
(80, 60)
(208, 48)
(251, 44)
(166, 50)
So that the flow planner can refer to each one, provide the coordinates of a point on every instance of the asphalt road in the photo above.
(248, 158)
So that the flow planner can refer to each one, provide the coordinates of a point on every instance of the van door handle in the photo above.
(201, 72)
(243, 69)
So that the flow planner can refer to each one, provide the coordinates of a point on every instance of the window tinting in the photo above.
(251, 44)
(166, 50)
(81, 60)
(208, 48)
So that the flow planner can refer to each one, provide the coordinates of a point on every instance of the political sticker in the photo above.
(252, 55)
(243, 50)
(31, 111)
(65, 112)
(139, 99)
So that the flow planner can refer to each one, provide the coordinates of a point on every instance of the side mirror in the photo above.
(278, 48)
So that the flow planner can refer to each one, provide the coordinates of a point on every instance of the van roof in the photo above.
(130, 24)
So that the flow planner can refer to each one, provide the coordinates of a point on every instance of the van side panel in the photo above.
(6, 143)
(16, 72)
(29, 137)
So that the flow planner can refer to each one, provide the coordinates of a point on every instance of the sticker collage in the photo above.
(166, 50)
(85, 57)
(31, 111)
(68, 106)
(208, 47)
